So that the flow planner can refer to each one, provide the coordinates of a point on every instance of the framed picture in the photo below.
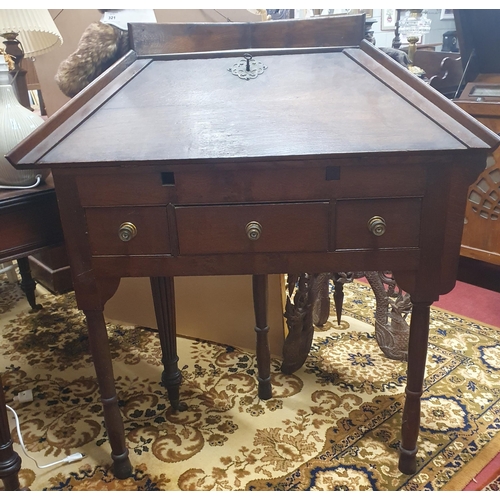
(388, 20)
(446, 14)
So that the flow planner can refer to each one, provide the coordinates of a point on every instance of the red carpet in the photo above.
(472, 302)
(490, 474)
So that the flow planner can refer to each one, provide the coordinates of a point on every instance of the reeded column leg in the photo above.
(99, 346)
(417, 355)
(260, 294)
(10, 462)
(164, 303)
(28, 284)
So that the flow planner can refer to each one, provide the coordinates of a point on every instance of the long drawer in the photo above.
(284, 227)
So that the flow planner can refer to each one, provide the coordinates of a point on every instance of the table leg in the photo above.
(260, 294)
(99, 346)
(164, 304)
(417, 355)
(10, 462)
(338, 299)
(28, 284)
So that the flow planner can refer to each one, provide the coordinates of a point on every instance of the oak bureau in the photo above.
(211, 149)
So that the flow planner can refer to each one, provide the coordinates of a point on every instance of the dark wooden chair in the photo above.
(442, 69)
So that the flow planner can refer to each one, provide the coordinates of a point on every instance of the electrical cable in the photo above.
(37, 182)
(67, 460)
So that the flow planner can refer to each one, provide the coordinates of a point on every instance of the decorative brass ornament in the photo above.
(377, 225)
(248, 68)
(253, 230)
(127, 231)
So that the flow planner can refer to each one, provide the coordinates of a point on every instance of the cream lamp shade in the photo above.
(27, 32)
(35, 28)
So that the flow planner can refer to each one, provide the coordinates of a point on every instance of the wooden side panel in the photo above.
(147, 39)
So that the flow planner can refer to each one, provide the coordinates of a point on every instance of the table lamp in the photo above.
(27, 32)
(413, 24)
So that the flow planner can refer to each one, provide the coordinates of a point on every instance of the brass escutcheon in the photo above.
(127, 231)
(253, 230)
(377, 225)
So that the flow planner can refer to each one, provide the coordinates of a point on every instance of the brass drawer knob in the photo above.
(377, 225)
(253, 230)
(127, 231)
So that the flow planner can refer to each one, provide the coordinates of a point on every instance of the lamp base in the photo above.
(13, 48)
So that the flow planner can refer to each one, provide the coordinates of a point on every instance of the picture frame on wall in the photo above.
(388, 21)
(446, 14)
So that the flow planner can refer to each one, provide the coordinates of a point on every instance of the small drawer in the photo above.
(254, 185)
(107, 190)
(152, 233)
(224, 229)
(400, 221)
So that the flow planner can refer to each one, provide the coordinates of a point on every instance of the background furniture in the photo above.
(29, 221)
(443, 70)
(479, 40)
(274, 174)
(215, 308)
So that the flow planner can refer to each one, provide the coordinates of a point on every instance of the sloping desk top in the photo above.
(318, 102)
(329, 159)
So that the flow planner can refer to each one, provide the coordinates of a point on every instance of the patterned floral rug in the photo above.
(333, 425)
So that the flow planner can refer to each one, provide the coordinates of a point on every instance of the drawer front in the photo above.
(107, 190)
(152, 233)
(249, 184)
(222, 229)
(401, 218)
(295, 184)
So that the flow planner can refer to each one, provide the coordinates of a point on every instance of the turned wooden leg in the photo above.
(261, 328)
(28, 284)
(164, 303)
(10, 462)
(99, 346)
(338, 298)
(417, 355)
